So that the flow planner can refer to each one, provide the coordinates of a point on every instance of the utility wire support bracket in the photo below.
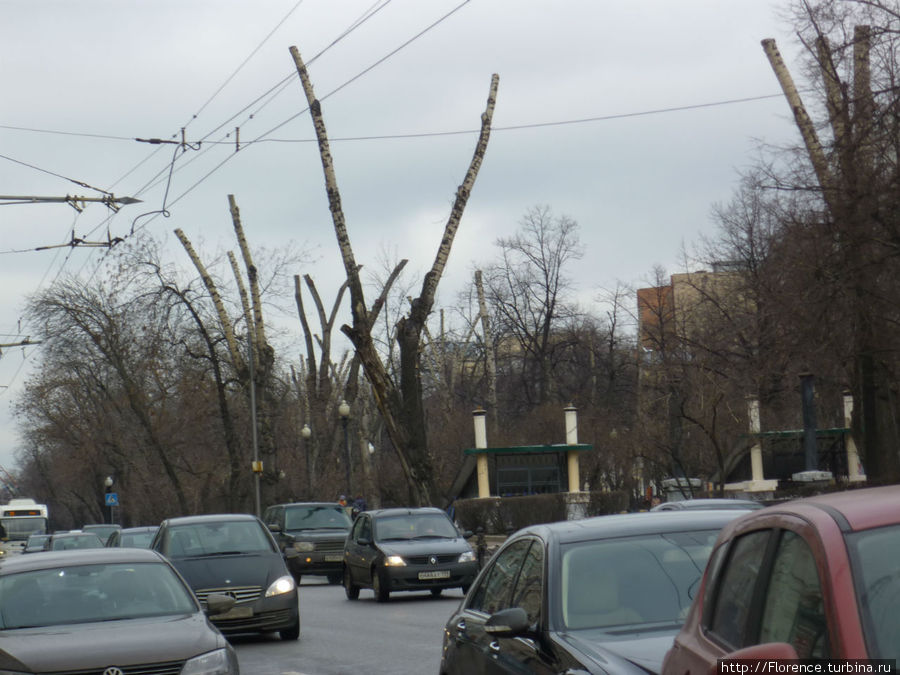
(76, 202)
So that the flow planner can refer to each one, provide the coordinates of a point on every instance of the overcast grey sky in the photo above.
(632, 118)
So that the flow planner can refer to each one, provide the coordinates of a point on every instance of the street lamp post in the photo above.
(344, 412)
(306, 433)
(107, 485)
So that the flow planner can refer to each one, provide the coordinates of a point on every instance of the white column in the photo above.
(854, 468)
(572, 455)
(756, 463)
(481, 460)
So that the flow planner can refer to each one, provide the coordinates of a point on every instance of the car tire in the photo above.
(351, 589)
(436, 592)
(292, 633)
(381, 586)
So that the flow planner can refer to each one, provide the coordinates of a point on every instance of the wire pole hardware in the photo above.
(76, 202)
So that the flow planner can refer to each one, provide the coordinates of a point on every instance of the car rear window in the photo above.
(316, 518)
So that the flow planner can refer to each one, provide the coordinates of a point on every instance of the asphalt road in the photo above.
(343, 637)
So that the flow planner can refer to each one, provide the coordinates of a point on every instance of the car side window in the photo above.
(793, 611)
(363, 529)
(735, 588)
(495, 591)
(527, 593)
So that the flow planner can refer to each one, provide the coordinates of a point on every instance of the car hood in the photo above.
(410, 547)
(107, 643)
(642, 651)
(221, 571)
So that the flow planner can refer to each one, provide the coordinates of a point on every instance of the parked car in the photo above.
(35, 543)
(406, 550)
(811, 578)
(132, 537)
(106, 610)
(599, 595)
(102, 530)
(65, 541)
(316, 531)
(741, 504)
(234, 554)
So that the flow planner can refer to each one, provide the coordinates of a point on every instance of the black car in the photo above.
(600, 595)
(235, 555)
(35, 543)
(106, 611)
(132, 537)
(406, 550)
(316, 531)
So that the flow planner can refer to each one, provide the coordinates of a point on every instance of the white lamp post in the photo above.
(344, 412)
(306, 434)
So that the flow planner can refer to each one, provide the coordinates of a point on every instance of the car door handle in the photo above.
(461, 626)
(495, 647)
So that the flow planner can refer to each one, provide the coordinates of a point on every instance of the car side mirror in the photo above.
(274, 527)
(510, 622)
(468, 534)
(770, 651)
(290, 553)
(217, 603)
(364, 541)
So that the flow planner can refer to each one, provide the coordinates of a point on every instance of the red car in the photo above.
(811, 578)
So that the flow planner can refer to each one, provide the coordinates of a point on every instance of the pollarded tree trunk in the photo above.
(400, 406)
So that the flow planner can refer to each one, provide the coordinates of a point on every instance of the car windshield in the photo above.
(414, 526)
(646, 580)
(88, 593)
(140, 539)
(219, 537)
(102, 531)
(874, 556)
(67, 542)
(316, 518)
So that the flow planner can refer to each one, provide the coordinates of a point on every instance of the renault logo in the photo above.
(433, 560)
(113, 671)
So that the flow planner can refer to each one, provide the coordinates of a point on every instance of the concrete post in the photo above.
(481, 460)
(756, 463)
(572, 455)
(854, 469)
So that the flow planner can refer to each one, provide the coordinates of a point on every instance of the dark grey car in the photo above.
(600, 595)
(316, 531)
(406, 550)
(105, 610)
(235, 555)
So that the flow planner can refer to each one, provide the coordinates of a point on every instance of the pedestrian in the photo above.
(359, 505)
(342, 500)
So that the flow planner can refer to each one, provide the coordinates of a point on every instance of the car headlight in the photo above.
(394, 561)
(304, 546)
(281, 586)
(468, 556)
(219, 662)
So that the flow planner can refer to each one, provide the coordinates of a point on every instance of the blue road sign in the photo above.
(112, 498)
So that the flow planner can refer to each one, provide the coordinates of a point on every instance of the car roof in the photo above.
(101, 526)
(854, 509)
(73, 535)
(628, 524)
(51, 559)
(289, 504)
(209, 518)
(140, 528)
(711, 503)
(405, 511)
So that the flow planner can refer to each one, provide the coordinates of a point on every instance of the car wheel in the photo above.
(351, 589)
(436, 592)
(334, 579)
(381, 586)
(292, 633)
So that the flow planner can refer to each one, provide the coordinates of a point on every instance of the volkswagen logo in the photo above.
(112, 670)
(433, 560)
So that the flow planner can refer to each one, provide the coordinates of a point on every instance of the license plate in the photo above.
(334, 558)
(235, 613)
(436, 574)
